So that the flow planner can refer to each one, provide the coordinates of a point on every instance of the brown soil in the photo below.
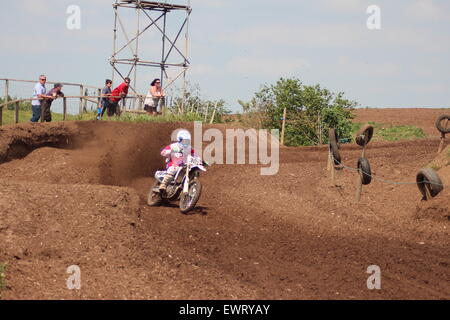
(78, 199)
(422, 118)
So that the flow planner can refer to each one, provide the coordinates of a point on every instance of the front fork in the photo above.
(186, 182)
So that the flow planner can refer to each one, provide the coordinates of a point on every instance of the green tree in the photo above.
(311, 111)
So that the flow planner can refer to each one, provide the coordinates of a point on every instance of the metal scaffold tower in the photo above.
(172, 55)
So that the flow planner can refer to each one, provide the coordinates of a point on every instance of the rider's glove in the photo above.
(205, 164)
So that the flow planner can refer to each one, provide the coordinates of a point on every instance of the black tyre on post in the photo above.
(154, 198)
(429, 179)
(364, 135)
(189, 201)
(365, 171)
(334, 145)
(442, 123)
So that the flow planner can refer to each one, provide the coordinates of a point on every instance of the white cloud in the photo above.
(201, 69)
(36, 7)
(209, 3)
(425, 10)
(344, 35)
(368, 68)
(344, 5)
(265, 66)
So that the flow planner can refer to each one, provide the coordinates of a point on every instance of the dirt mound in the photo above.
(287, 236)
(18, 141)
(46, 228)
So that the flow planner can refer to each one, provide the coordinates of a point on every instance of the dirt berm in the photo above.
(73, 194)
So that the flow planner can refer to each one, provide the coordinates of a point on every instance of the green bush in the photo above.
(311, 111)
(23, 106)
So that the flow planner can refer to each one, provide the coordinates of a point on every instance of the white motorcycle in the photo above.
(185, 186)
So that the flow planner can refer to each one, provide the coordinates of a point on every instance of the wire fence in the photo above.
(381, 179)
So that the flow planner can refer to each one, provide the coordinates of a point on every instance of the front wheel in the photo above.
(189, 200)
(154, 198)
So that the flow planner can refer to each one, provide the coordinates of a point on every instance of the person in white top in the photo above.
(154, 96)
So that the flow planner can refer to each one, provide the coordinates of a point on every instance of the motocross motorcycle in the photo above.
(185, 186)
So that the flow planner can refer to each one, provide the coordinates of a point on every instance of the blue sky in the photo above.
(236, 46)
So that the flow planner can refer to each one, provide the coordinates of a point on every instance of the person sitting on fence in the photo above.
(158, 95)
(118, 94)
(47, 103)
(105, 102)
(39, 95)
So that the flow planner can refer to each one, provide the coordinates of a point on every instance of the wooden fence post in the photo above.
(441, 145)
(81, 99)
(214, 113)
(64, 109)
(207, 110)
(283, 126)
(359, 185)
(99, 93)
(6, 91)
(1, 116)
(16, 115)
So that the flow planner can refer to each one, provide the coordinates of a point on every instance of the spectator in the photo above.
(149, 103)
(39, 95)
(52, 95)
(118, 94)
(158, 95)
(105, 102)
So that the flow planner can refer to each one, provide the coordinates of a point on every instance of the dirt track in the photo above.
(289, 236)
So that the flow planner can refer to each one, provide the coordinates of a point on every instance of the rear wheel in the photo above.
(154, 198)
(188, 201)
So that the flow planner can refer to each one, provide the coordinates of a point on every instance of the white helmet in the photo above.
(184, 137)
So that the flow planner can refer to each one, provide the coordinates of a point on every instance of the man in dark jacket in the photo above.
(56, 92)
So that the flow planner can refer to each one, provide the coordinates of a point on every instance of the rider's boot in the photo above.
(165, 182)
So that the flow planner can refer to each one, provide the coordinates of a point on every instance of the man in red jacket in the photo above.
(118, 94)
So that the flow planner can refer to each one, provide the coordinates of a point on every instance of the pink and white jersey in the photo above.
(174, 153)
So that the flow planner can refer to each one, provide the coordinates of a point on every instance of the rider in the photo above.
(176, 154)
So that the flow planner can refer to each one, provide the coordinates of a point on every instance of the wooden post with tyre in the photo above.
(364, 176)
(333, 153)
(363, 137)
(442, 126)
(429, 183)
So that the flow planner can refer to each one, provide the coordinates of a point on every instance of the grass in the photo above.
(25, 116)
(2, 278)
(392, 133)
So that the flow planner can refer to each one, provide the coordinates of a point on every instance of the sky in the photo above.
(236, 47)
